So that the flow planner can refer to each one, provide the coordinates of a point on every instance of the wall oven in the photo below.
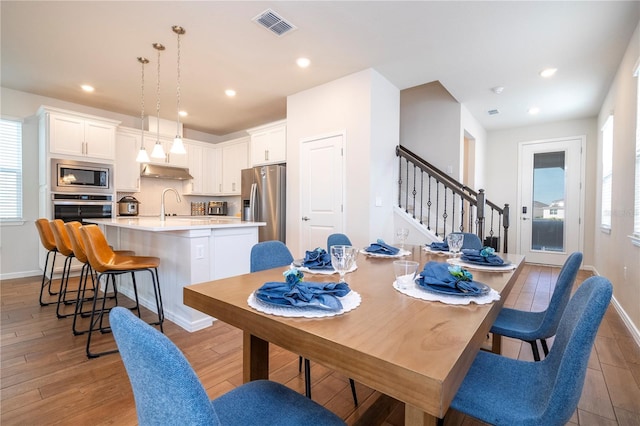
(81, 177)
(77, 207)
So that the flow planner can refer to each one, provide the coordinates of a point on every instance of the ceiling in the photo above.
(50, 48)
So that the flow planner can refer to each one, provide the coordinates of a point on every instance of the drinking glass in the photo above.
(454, 241)
(405, 271)
(342, 259)
(402, 234)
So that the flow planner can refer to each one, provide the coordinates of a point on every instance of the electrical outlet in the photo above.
(199, 251)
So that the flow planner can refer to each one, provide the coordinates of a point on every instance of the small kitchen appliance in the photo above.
(128, 206)
(217, 208)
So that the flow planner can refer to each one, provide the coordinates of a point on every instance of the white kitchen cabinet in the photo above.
(205, 165)
(234, 159)
(212, 169)
(176, 160)
(127, 169)
(71, 134)
(194, 163)
(269, 143)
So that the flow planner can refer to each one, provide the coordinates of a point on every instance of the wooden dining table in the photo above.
(412, 350)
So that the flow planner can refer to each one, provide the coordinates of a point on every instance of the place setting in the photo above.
(296, 297)
(381, 249)
(484, 259)
(318, 261)
(451, 246)
(441, 282)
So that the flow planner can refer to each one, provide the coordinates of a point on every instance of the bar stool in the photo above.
(73, 230)
(49, 244)
(64, 248)
(109, 264)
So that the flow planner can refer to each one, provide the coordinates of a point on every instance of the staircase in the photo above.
(441, 204)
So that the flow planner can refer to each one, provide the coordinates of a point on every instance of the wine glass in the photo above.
(342, 259)
(402, 234)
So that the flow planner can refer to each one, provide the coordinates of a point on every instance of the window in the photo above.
(607, 173)
(636, 214)
(10, 170)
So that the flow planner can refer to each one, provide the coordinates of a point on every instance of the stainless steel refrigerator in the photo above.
(264, 200)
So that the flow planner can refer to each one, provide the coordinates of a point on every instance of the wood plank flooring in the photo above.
(47, 379)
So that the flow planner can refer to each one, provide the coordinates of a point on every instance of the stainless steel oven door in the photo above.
(79, 209)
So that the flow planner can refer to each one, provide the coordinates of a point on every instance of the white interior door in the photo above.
(321, 186)
(551, 202)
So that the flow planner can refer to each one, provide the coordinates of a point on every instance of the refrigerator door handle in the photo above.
(253, 201)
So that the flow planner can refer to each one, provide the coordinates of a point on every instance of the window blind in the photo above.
(607, 172)
(10, 170)
(636, 204)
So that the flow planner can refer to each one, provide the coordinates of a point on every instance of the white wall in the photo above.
(622, 268)
(501, 160)
(472, 127)
(366, 107)
(430, 125)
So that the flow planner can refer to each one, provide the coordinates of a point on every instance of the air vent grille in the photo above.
(274, 22)
(493, 112)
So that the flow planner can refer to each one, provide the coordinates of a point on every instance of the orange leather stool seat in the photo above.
(77, 245)
(64, 248)
(109, 263)
(49, 244)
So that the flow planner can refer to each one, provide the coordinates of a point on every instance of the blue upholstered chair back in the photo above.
(566, 365)
(471, 241)
(165, 387)
(337, 240)
(269, 254)
(561, 296)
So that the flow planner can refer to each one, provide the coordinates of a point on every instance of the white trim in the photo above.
(20, 274)
(635, 333)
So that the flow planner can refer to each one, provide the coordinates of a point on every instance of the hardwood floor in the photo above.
(47, 379)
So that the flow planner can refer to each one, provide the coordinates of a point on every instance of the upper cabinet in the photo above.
(127, 169)
(269, 143)
(234, 159)
(69, 134)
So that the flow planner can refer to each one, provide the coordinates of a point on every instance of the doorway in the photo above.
(551, 201)
(321, 189)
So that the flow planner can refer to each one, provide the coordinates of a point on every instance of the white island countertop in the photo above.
(173, 223)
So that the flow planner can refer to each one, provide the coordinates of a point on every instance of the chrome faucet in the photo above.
(162, 215)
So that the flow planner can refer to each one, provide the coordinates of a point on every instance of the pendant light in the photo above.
(158, 151)
(143, 157)
(178, 146)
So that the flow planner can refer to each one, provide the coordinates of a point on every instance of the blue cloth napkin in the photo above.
(304, 294)
(447, 278)
(443, 246)
(481, 256)
(380, 247)
(317, 259)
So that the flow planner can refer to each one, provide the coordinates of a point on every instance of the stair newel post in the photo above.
(399, 176)
(480, 214)
(505, 225)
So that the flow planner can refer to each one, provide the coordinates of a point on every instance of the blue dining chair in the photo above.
(533, 326)
(471, 241)
(505, 391)
(337, 240)
(167, 390)
(268, 255)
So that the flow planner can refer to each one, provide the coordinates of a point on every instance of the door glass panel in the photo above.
(547, 229)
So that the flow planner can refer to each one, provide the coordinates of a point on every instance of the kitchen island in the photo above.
(191, 250)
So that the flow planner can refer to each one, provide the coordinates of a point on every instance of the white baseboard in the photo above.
(635, 333)
(21, 274)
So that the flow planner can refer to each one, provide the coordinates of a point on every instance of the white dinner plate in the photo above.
(386, 256)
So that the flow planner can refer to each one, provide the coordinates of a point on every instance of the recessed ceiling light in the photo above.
(183, 113)
(230, 93)
(548, 72)
(534, 110)
(303, 62)
(87, 88)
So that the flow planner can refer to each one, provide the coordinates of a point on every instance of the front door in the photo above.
(550, 206)
(321, 186)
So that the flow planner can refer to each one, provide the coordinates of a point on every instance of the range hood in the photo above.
(164, 172)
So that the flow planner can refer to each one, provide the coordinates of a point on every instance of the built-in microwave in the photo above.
(81, 177)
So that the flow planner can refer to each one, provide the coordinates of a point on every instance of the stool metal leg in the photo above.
(46, 280)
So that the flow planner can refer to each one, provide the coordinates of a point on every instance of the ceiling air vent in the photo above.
(493, 112)
(274, 22)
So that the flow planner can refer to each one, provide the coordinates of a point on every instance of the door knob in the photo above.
(305, 218)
